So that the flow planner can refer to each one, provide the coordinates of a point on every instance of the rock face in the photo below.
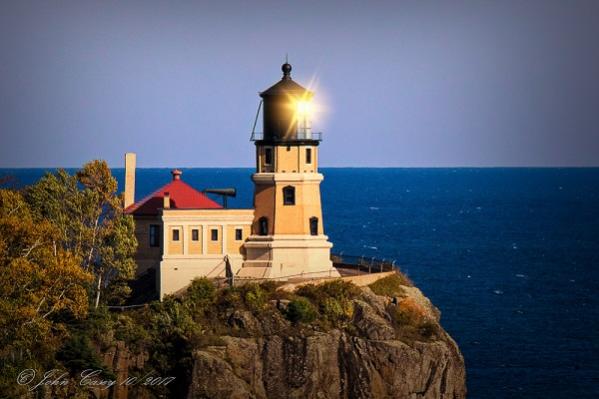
(373, 361)
(121, 361)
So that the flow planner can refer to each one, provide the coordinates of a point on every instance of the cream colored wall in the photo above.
(290, 168)
(195, 247)
(215, 247)
(292, 159)
(264, 204)
(289, 248)
(205, 257)
(176, 274)
(236, 246)
(287, 159)
(294, 219)
(361, 280)
(174, 247)
(223, 220)
(288, 219)
(287, 255)
(147, 257)
(305, 166)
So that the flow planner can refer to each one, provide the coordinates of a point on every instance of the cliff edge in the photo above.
(380, 341)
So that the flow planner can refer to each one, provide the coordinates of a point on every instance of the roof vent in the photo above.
(176, 174)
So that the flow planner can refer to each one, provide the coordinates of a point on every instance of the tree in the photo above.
(40, 283)
(90, 222)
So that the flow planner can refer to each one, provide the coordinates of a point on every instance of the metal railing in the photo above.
(299, 136)
(299, 277)
(365, 264)
(359, 264)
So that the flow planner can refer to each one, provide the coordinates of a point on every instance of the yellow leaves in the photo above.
(37, 280)
(96, 176)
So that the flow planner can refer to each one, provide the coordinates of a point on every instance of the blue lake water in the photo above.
(510, 257)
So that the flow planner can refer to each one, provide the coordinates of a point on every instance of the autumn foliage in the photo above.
(64, 245)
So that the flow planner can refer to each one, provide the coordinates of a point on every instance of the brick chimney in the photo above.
(176, 174)
(166, 201)
(130, 160)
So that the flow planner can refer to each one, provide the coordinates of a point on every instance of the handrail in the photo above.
(368, 264)
(299, 136)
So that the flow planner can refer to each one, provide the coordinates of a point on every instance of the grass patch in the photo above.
(333, 300)
(391, 286)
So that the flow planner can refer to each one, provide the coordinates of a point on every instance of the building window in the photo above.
(154, 235)
(238, 234)
(195, 235)
(263, 226)
(308, 155)
(268, 156)
(214, 234)
(289, 195)
(314, 226)
(175, 234)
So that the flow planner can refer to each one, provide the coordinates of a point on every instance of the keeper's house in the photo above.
(183, 234)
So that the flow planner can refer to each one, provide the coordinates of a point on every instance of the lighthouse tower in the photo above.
(287, 237)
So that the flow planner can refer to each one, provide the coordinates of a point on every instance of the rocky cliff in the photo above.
(392, 347)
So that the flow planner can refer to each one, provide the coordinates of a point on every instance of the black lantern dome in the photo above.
(280, 107)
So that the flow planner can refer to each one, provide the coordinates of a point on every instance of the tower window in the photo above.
(308, 155)
(268, 156)
(154, 235)
(289, 195)
(195, 235)
(238, 234)
(214, 234)
(176, 235)
(314, 226)
(263, 226)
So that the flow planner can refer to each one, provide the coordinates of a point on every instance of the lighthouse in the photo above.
(287, 234)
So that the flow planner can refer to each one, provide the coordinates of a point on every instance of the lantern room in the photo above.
(287, 111)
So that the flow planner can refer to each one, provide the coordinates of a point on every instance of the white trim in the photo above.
(185, 241)
(287, 177)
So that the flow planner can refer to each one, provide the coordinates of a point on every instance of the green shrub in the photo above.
(99, 324)
(391, 285)
(337, 289)
(300, 310)
(333, 299)
(130, 331)
(230, 297)
(335, 310)
(255, 297)
(200, 294)
(171, 318)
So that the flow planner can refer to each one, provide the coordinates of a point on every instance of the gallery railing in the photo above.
(365, 264)
(361, 264)
(299, 136)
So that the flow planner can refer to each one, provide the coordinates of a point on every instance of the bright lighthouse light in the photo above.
(304, 107)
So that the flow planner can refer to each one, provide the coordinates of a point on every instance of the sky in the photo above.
(398, 83)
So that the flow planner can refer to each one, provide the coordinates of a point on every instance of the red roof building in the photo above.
(181, 195)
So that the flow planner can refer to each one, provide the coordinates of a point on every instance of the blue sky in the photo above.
(400, 83)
